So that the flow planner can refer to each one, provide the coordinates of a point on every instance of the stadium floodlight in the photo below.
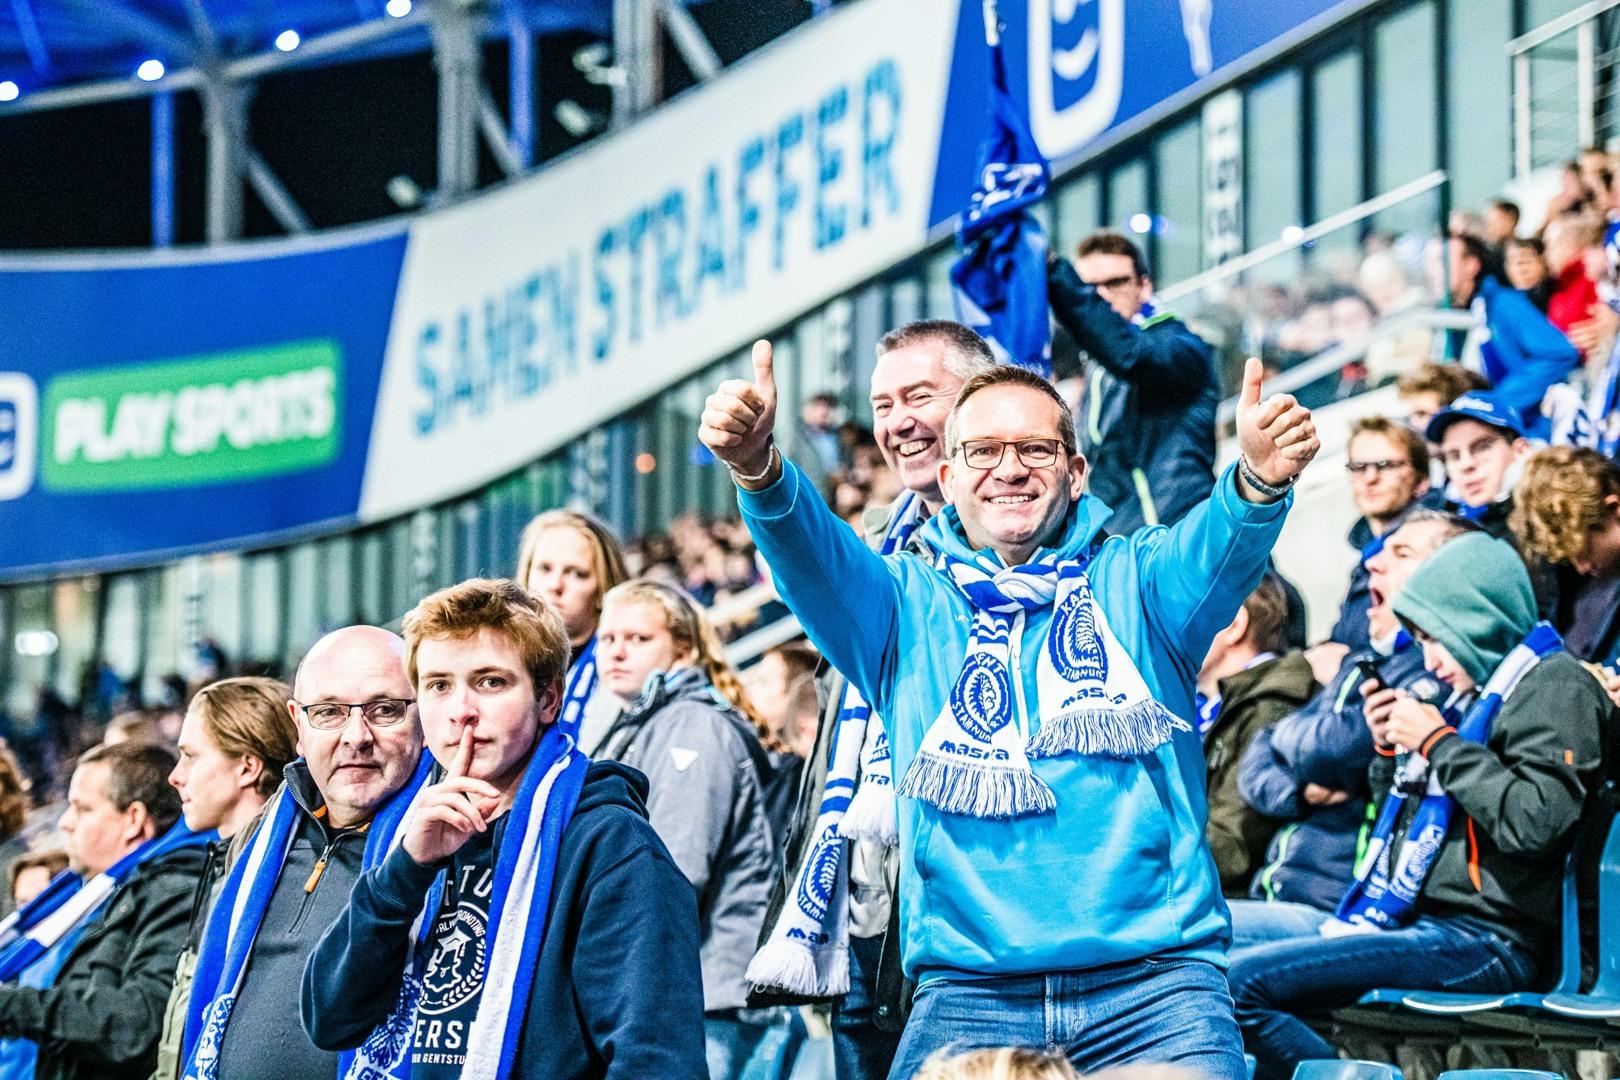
(287, 40)
(1140, 223)
(398, 8)
(1293, 234)
(8, 91)
(150, 70)
(36, 643)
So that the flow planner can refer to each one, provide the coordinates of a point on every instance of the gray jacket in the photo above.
(704, 767)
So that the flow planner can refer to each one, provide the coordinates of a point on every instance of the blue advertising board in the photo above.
(172, 407)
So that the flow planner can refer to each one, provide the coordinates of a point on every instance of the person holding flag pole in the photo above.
(1034, 680)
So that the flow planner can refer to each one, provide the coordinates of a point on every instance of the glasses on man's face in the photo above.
(1113, 284)
(1472, 450)
(988, 453)
(379, 712)
(1363, 468)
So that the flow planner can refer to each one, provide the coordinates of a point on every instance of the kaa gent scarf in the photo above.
(807, 951)
(974, 758)
(1381, 899)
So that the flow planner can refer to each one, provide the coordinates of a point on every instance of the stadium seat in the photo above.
(1335, 1069)
(1500, 1074)
(1602, 1002)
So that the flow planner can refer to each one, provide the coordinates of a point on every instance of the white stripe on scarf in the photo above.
(807, 951)
(974, 758)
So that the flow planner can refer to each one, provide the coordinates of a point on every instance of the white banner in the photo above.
(537, 312)
(1223, 177)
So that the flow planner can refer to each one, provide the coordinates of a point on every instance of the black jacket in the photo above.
(1147, 424)
(617, 991)
(101, 1019)
(266, 1040)
(1351, 629)
(1251, 701)
(1523, 794)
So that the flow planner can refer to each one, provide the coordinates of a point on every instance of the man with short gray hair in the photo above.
(921, 367)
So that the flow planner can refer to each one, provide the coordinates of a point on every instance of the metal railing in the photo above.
(1557, 68)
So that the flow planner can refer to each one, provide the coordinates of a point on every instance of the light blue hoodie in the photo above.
(1121, 870)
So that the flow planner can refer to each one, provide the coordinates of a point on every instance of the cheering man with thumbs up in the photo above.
(1035, 679)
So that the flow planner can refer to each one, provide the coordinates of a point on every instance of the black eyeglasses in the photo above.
(988, 453)
(1357, 468)
(379, 712)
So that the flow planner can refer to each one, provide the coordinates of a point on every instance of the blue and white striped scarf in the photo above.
(1382, 899)
(578, 690)
(227, 943)
(974, 758)
(807, 951)
(69, 902)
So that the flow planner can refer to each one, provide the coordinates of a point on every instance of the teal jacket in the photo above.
(1121, 870)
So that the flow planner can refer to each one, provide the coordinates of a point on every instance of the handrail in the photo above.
(1561, 25)
(1332, 359)
(1309, 234)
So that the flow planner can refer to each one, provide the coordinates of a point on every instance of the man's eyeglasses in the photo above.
(1473, 449)
(1114, 283)
(1361, 468)
(988, 453)
(379, 712)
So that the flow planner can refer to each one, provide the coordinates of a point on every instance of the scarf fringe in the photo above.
(785, 965)
(1133, 732)
(871, 815)
(975, 788)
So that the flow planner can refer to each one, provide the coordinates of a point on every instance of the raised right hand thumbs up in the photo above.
(739, 416)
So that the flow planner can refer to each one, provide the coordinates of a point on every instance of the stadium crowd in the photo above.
(1053, 782)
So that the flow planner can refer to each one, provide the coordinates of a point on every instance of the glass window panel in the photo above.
(264, 607)
(1479, 84)
(121, 626)
(1404, 94)
(222, 602)
(1271, 194)
(1128, 196)
(74, 621)
(1537, 12)
(163, 602)
(31, 610)
(1336, 135)
(1078, 214)
(303, 588)
(338, 605)
(373, 575)
(1179, 213)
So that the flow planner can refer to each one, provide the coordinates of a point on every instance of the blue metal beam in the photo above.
(521, 85)
(162, 170)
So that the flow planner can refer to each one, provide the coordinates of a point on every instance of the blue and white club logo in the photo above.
(1076, 71)
(816, 887)
(19, 433)
(981, 699)
(1073, 644)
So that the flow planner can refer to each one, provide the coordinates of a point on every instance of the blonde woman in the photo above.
(571, 559)
(689, 726)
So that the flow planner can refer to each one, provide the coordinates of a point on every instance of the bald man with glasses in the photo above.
(359, 740)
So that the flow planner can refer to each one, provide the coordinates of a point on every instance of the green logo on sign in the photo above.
(227, 416)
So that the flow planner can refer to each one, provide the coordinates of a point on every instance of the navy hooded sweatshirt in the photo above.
(617, 991)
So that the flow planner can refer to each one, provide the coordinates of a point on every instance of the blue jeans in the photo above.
(861, 1050)
(1272, 983)
(1255, 922)
(731, 1037)
(1150, 1012)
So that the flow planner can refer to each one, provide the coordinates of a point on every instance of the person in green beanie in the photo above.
(1473, 907)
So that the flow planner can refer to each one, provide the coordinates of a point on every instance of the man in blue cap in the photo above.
(1482, 443)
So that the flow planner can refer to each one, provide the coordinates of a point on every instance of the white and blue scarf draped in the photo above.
(525, 868)
(227, 942)
(577, 691)
(70, 902)
(974, 758)
(1382, 899)
(807, 950)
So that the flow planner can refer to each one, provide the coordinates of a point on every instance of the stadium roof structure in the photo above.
(64, 53)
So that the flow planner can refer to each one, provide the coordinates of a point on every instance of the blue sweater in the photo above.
(1523, 353)
(1121, 870)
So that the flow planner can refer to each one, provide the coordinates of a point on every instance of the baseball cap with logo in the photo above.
(1481, 405)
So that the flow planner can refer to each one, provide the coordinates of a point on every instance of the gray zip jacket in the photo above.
(704, 768)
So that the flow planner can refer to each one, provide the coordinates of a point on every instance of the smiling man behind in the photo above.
(1035, 683)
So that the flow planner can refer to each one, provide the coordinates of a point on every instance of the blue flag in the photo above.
(999, 280)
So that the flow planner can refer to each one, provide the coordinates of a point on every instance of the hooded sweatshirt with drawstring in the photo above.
(1528, 787)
